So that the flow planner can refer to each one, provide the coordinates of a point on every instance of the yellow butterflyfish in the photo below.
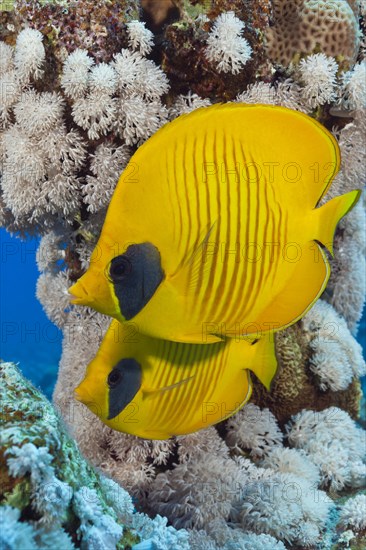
(155, 388)
(214, 231)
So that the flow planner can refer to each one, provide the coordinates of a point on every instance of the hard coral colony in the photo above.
(82, 90)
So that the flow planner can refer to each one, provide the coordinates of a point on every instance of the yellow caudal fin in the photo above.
(263, 362)
(329, 215)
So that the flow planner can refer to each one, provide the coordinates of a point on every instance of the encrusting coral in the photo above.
(81, 89)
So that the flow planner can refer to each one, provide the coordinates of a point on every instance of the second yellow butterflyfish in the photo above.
(155, 389)
(214, 228)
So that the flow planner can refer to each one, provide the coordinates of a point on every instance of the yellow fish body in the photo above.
(213, 229)
(154, 388)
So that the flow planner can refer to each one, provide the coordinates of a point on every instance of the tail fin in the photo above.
(329, 215)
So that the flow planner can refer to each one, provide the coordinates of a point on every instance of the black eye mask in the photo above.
(136, 275)
(124, 381)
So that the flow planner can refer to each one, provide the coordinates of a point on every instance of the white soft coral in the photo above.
(333, 442)
(337, 356)
(29, 55)
(354, 83)
(139, 37)
(318, 73)
(353, 513)
(226, 48)
(254, 429)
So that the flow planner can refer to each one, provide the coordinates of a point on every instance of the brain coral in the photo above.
(303, 27)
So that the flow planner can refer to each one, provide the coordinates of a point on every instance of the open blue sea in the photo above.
(27, 336)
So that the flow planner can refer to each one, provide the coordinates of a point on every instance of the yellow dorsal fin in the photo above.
(267, 134)
(329, 215)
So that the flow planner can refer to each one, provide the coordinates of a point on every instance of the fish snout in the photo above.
(94, 290)
(82, 394)
(92, 397)
(78, 293)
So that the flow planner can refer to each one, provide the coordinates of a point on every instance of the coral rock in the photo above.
(302, 27)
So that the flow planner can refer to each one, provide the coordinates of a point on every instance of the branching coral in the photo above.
(186, 104)
(74, 78)
(41, 161)
(283, 506)
(292, 461)
(131, 114)
(224, 538)
(29, 55)
(354, 89)
(44, 170)
(188, 502)
(106, 165)
(17, 534)
(52, 292)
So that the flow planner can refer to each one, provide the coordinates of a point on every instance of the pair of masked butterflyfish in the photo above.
(213, 241)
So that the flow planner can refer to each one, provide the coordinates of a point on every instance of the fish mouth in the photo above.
(78, 294)
(82, 395)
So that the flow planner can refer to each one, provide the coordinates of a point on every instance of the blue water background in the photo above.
(27, 335)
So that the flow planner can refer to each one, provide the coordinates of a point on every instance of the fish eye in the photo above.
(119, 268)
(114, 377)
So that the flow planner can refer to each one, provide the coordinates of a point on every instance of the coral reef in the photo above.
(50, 496)
(83, 84)
(191, 45)
(100, 26)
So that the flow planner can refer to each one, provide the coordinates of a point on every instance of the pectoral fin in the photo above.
(191, 275)
(148, 391)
